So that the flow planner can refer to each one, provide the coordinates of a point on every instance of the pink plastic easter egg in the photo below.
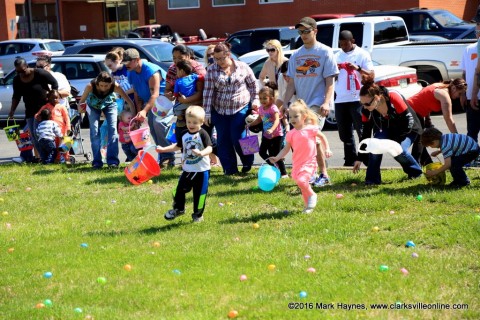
(339, 196)
(311, 270)
(243, 277)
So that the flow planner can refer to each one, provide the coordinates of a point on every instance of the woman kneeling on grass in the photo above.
(302, 138)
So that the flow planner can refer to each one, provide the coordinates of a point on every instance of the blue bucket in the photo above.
(268, 177)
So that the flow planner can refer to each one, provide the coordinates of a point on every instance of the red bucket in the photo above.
(24, 142)
(142, 168)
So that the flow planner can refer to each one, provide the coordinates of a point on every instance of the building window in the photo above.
(218, 3)
(183, 4)
(273, 1)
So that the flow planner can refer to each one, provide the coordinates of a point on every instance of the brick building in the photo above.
(71, 19)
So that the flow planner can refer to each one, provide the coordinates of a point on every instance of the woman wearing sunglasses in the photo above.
(271, 68)
(388, 115)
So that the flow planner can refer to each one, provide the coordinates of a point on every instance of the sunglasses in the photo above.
(306, 31)
(40, 67)
(271, 50)
(368, 104)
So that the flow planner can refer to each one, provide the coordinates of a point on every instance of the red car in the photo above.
(309, 64)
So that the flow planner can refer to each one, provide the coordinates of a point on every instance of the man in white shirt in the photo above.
(352, 61)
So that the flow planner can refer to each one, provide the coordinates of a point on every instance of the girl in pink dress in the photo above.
(302, 139)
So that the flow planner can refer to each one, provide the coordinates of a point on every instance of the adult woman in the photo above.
(100, 97)
(435, 98)
(209, 55)
(271, 67)
(113, 61)
(230, 91)
(31, 85)
(389, 117)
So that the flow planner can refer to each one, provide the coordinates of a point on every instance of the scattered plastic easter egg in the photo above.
(1, 200)
(404, 271)
(127, 267)
(306, 257)
(255, 188)
(243, 277)
(5, 213)
(47, 302)
(8, 225)
(271, 267)
(114, 201)
(47, 275)
(28, 189)
(419, 197)
(39, 305)
(353, 184)
(339, 196)
(156, 244)
(311, 270)
(410, 244)
(150, 182)
(10, 250)
(285, 212)
(89, 317)
(108, 222)
(375, 229)
(256, 226)
(101, 280)
(383, 268)
(163, 202)
(414, 255)
(302, 294)
(176, 271)
(233, 314)
(78, 310)
(84, 245)
(221, 204)
(392, 212)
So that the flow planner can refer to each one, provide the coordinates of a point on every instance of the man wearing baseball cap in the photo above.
(312, 69)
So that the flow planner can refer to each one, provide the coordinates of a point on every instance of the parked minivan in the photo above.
(423, 21)
(249, 40)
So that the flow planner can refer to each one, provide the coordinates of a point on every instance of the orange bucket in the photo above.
(142, 168)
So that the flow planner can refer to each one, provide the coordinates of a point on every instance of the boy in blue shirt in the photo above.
(457, 150)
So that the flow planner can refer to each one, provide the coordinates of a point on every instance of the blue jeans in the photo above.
(473, 122)
(230, 129)
(112, 144)
(409, 165)
(130, 151)
(158, 131)
(32, 127)
(47, 150)
(456, 168)
(349, 118)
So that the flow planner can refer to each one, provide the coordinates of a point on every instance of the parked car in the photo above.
(200, 49)
(153, 50)
(249, 40)
(27, 49)
(328, 16)
(69, 43)
(79, 70)
(436, 22)
(402, 79)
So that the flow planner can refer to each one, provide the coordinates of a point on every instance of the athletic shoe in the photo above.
(311, 203)
(197, 218)
(321, 181)
(313, 179)
(172, 214)
(18, 160)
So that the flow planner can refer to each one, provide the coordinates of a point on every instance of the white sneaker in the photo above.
(172, 214)
(311, 203)
(18, 160)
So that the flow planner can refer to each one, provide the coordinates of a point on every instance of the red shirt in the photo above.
(424, 102)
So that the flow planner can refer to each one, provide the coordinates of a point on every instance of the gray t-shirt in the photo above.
(309, 68)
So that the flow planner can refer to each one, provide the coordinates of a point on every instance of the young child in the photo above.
(196, 146)
(59, 114)
(272, 135)
(124, 129)
(303, 139)
(47, 131)
(457, 150)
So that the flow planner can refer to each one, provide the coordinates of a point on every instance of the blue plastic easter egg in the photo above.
(302, 294)
(47, 275)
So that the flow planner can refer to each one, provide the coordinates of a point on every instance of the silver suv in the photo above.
(79, 69)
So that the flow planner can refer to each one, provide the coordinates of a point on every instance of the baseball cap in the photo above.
(130, 54)
(307, 22)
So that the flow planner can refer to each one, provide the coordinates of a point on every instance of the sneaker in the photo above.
(458, 185)
(172, 214)
(113, 166)
(312, 202)
(313, 179)
(18, 160)
(321, 181)
(285, 176)
(197, 218)
(307, 211)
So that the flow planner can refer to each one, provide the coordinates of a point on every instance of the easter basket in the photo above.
(12, 132)
(24, 141)
(438, 179)
(249, 144)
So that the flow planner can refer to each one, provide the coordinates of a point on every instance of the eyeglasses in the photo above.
(368, 104)
(220, 59)
(41, 67)
(270, 49)
(306, 31)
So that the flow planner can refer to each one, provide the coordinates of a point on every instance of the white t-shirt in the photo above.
(359, 57)
(198, 140)
(63, 84)
(309, 68)
(469, 63)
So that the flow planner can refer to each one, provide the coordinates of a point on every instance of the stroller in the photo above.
(77, 148)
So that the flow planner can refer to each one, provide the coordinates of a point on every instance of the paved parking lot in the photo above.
(9, 149)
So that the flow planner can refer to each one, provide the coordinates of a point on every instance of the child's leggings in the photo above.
(198, 181)
(270, 148)
(302, 177)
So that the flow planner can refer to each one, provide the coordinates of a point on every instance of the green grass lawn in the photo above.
(182, 270)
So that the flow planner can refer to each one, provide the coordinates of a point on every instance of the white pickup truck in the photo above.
(386, 38)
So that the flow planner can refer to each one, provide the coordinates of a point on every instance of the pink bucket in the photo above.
(140, 137)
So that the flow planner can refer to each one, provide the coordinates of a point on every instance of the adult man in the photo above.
(470, 100)
(31, 85)
(64, 89)
(352, 61)
(312, 69)
(145, 79)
